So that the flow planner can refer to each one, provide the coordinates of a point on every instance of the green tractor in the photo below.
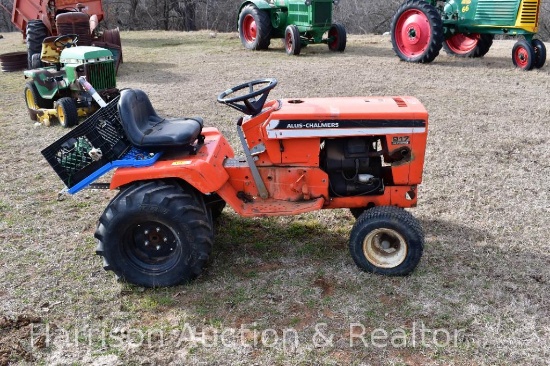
(298, 22)
(466, 28)
(55, 91)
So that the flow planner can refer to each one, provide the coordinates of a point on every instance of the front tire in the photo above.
(254, 28)
(540, 53)
(523, 55)
(293, 44)
(468, 45)
(417, 32)
(337, 38)
(155, 234)
(67, 113)
(387, 240)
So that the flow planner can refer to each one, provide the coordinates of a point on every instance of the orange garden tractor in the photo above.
(175, 176)
(466, 28)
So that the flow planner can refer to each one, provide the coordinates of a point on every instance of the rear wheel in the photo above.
(254, 28)
(155, 234)
(523, 55)
(36, 32)
(66, 112)
(337, 38)
(468, 45)
(292, 40)
(417, 32)
(34, 101)
(387, 240)
(540, 53)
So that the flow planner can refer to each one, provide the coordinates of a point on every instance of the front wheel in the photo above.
(540, 53)
(417, 32)
(155, 234)
(523, 55)
(292, 40)
(337, 38)
(67, 113)
(387, 240)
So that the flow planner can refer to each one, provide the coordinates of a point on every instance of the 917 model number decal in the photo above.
(401, 140)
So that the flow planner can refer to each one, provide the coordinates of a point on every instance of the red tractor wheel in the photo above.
(254, 28)
(292, 40)
(468, 45)
(337, 38)
(523, 55)
(540, 53)
(417, 32)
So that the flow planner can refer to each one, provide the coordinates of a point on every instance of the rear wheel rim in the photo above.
(151, 247)
(413, 33)
(250, 29)
(385, 248)
(462, 43)
(31, 103)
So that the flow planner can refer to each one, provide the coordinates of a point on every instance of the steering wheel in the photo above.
(247, 103)
(71, 40)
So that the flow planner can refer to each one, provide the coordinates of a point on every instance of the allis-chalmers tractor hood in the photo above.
(85, 54)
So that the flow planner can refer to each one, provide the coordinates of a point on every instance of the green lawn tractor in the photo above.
(466, 28)
(298, 22)
(54, 91)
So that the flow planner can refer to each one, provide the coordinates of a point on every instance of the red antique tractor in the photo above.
(175, 176)
(38, 19)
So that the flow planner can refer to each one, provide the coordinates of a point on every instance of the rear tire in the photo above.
(34, 101)
(540, 53)
(387, 240)
(468, 45)
(67, 114)
(155, 234)
(254, 28)
(417, 32)
(523, 55)
(293, 44)
(36, 32)
(338, 34)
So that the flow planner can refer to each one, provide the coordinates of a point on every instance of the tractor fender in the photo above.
(260, 4)
(204, 170)
(46, 81)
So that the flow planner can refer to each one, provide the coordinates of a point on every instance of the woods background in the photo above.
(358, 16)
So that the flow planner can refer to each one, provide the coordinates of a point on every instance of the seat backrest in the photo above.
(136, 112)
(50, 52)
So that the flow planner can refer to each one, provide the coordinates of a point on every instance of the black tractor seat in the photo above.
(144, 128)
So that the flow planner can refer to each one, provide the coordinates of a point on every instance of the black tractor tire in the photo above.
(254, 28)
(36, 62)
(478, 48)
(155, 234)
(338, 34)
(293, 45)
(417, 32)
(540, 53)
(36, 32)
(34, 100)
(67, 114)
(386, 240)
(523, 55)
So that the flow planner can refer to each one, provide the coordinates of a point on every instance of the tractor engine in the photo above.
(354, 166)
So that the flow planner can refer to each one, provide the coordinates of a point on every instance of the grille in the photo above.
(101, 75)
(80, 28)
(529, 12)
(400, 102)
(322, 13)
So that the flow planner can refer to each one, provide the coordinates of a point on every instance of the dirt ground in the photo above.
(285, 291)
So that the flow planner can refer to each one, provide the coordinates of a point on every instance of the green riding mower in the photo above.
(298, 22)
(54, 91)
(466, 28)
